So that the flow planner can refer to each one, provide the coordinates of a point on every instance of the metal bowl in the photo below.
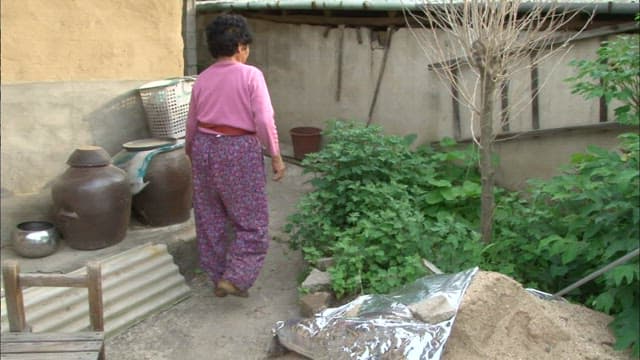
(35, 239)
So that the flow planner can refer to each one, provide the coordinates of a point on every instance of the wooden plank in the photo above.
(608, 126)
(13, 296)
(28, 337)
(535, 103)
(628, 27)
(51, 356)
(50, 346)
(432, 267)
(53, 280)
(339, 64)
(603, 115)
(504, 106)
(603, 31)
(94, 284)
(457, 123)
(334, 20)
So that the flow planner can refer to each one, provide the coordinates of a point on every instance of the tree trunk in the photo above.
(486, 154)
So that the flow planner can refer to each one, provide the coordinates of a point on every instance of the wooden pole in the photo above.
(94, 284)
(13, 296)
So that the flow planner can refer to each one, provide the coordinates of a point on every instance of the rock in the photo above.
(315, 302)
(275, 348)
(324, 263)
(317, 281)
(433, 310)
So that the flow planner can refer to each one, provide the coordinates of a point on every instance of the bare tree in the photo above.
(495, 39)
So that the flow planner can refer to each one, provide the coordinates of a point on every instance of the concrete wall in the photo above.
(300, 63)
(542, 157)
(69, 74)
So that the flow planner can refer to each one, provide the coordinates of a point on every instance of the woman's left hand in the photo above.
(278, 167)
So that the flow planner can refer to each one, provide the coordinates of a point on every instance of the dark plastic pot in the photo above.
(305, 139)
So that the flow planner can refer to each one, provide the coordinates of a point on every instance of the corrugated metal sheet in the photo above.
(136, 283)
(606, 7)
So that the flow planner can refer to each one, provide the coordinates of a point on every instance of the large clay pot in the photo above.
(91, 200)
(166, 200)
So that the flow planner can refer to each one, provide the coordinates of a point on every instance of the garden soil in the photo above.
(498, 319)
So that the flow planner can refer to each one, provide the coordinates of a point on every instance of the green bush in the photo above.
(374, 205)
(573, 225)
(614, 75)
(379, 207)
(608, 207)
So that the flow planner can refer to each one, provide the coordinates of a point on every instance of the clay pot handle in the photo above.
(64, 214)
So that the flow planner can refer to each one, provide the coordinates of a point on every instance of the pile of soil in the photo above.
(498, 319)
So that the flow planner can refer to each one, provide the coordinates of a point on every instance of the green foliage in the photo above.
(614, 75)
(374, 204)
(588, 217)
(379, 207)
(601, 218)
(574, 224)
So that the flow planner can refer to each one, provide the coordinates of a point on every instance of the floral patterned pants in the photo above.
(229, 193)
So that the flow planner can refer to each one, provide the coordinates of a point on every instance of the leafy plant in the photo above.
(614, 75)
(607, 200)
(374, 203)
(379, 208)
(588, 218)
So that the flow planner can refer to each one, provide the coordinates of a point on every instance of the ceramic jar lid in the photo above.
(147, 144)
(89, 156)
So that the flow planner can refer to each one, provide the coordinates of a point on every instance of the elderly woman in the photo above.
(230, 120)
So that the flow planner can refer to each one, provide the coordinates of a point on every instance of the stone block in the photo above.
(433, 310)
(315, 302)
(317, 281)
(324, 263)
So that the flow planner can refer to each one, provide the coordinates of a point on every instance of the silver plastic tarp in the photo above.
(391, 326)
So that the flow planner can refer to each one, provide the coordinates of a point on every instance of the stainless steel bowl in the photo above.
(35, 239)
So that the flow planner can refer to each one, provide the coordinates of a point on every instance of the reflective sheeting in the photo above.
(382, 326)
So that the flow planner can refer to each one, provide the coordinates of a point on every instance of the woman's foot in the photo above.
(230, 289)
(219, 292)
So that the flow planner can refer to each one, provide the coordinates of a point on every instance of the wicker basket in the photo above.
(166, 104)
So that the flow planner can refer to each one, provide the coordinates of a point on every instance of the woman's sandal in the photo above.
(230, 289)
(219, 292)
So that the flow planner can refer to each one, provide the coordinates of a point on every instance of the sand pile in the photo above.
(498, 319)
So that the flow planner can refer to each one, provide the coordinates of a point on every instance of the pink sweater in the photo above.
(233, 94)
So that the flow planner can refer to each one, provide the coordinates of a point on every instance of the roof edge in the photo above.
(608, 7)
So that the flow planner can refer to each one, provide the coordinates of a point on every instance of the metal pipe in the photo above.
(597, 273)
(390, 31)
(606, 7)
(383, 5)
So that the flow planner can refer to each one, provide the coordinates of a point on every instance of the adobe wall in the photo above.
(90, 40)
(69, 74)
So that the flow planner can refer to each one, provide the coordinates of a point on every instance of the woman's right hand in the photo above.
(277, 164)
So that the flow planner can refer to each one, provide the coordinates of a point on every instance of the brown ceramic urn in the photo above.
(166, 199)
(91, 200)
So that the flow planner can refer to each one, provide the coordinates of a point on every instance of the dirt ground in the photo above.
(207, 327)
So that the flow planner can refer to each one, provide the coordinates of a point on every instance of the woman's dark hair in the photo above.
(225, 33)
